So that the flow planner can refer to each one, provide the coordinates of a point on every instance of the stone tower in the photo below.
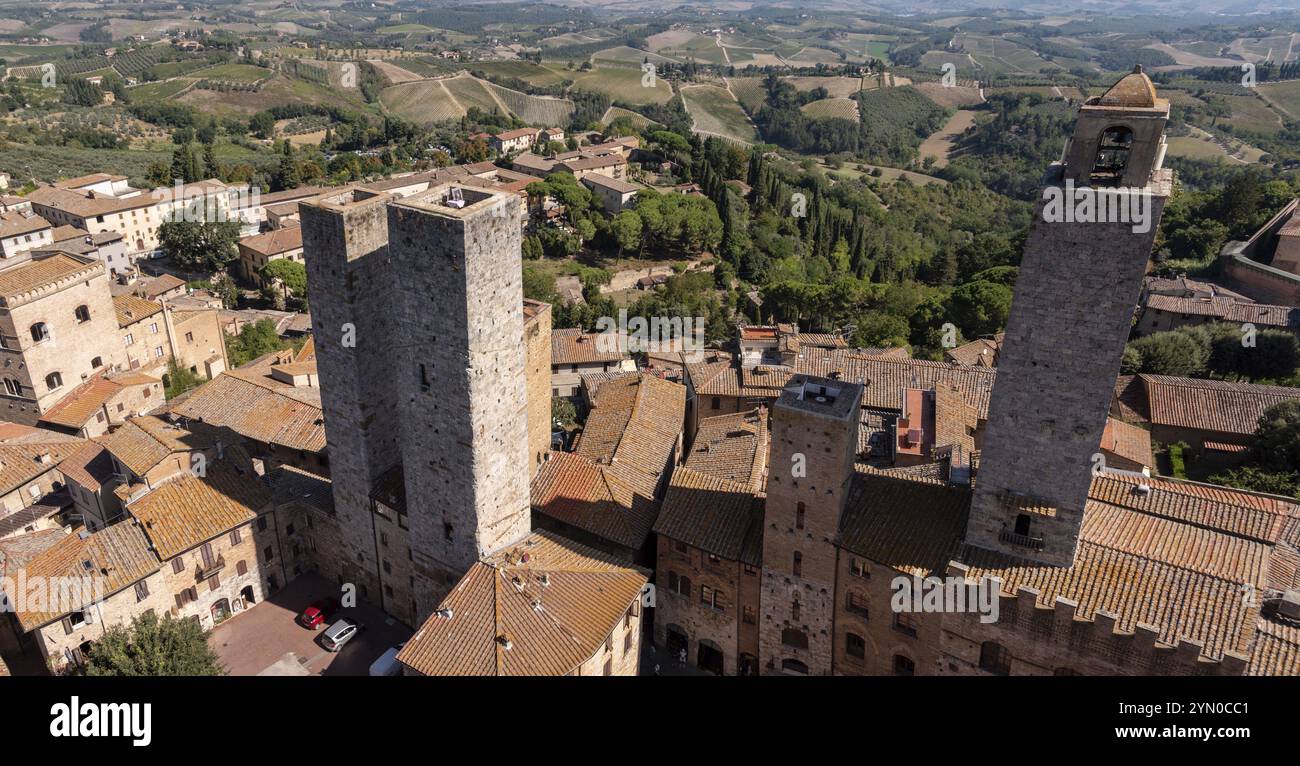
(345, 237)
(1074, 300)
(459, 364)
(814, 429)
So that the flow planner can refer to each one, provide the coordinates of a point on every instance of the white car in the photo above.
(338, 634)
(387, 664)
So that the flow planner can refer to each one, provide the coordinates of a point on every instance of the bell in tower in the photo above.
(1119, 138)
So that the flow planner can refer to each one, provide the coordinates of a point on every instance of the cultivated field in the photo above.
(715, 112)
(839, 108)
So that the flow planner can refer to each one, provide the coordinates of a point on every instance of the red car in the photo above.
(318, 613)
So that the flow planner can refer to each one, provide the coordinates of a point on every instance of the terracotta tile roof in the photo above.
(598, 499)
(714, 514)
(822, 340)
(18, 433)
(90, 465)
(732, 447)
(161, 284)
(883, 378)
(573, 346)
(507, 135)
(188, 510)
(1226, 309)
(1130, 401)
(1127, 441)
(119, 557)
(1210, 405)
(252, 404)
(14, 224)
(1175, 557)
(1276, 650)
(21, 463)
(719, 375)
(44, 271)
(48, 505)
(15, 552)
(1183, 580)
(913, 525)
(132, 308)
(555, 602)
(981, 352)
(633, 428)
(594, 162)
(274, 242)
(143, 442)
(82, 403)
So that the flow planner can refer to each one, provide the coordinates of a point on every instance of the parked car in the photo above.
(387, 664)
(318, 613)
(338, 634)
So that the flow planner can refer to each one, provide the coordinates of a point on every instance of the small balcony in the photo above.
(206, 571)
(1024, 541)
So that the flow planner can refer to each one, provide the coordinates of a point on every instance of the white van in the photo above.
(387, 664)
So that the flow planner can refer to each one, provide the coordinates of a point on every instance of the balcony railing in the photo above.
(205, 571)
(1024, 541)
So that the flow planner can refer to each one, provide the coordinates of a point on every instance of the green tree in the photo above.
(254, 340)
(291, 275)
(153, 646)
(262, 125)
(179, 379)
(194, 245)
(626, 228)
(1168, 353)
(1277, 438)
(980, 308)
(563, 413)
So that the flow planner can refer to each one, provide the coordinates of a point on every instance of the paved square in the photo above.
(267, 639)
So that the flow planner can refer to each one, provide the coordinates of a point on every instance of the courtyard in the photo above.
(266, 638)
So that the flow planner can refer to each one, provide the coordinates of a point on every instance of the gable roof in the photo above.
(540, 608)
(131, 308)
(118, 556)
(188, 510)
(716, 515)
(256, 406)
(1210, 405)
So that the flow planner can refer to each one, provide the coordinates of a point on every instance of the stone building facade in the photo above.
(57, 327)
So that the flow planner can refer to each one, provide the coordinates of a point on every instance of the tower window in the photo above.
(798, 564)
(53, 380)
(994, 658)
(1112, 156)
(1022, 524)
(798, 516)
(82, 313)
(40, 332)
(903, 666)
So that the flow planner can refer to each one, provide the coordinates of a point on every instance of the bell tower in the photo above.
(1070, 317)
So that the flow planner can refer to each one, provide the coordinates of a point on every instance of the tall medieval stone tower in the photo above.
(431, 286)
(346, 239)
(814, 428)
(460, 376)
(1074, 300)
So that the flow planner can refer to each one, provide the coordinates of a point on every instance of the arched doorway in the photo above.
(794, 668)
(247, 595)
(709, 657)
(220, 611)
